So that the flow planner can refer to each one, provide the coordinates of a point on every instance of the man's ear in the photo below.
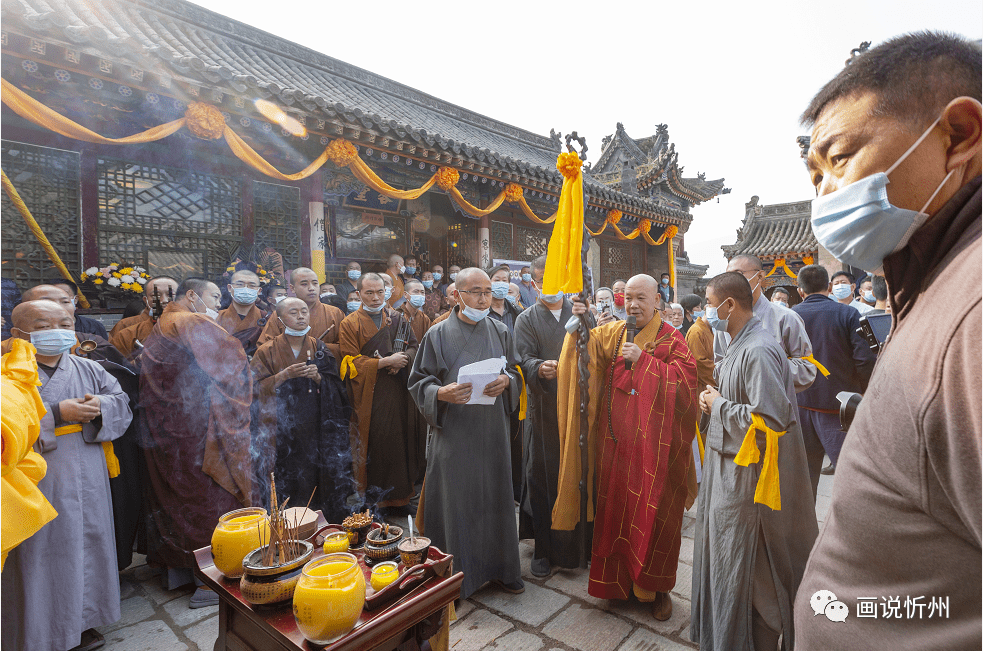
(963, 121)
(802, 294)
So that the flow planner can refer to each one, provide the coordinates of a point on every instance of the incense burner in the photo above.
(265, 585)
(381, 545)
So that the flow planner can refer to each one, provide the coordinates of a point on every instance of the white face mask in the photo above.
(841, 291)
(860, 226)
(209, 312)
(474, 313)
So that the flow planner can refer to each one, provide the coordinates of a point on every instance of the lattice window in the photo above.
(462, 243)
(276, 218)
(501, 241)
(637, 259)
(421, 249)
(615, 262)
(530, 242)
(48, 180)
(171, 221)
(368, 236)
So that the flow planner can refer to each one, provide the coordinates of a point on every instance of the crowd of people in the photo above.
(361, 394)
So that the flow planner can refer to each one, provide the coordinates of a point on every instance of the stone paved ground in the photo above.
(555, 613)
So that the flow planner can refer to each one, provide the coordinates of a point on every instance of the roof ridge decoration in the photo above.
(774, 231)
(206, 55)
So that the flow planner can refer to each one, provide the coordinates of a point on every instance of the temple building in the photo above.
(781, 236)
(649, 167)
(167, 136)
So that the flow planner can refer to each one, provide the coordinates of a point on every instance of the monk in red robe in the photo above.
(642, 423)
(196, 390)
(243, 319)
(325, 319)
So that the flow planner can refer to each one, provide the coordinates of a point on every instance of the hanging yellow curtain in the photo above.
(667, 236)
(38, 233)
(563, 263)
(513, 195)
(781, 264)
(612, 218)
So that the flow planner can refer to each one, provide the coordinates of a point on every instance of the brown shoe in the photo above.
(662, 606)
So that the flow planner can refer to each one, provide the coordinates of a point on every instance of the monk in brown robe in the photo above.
(243, 319)
(450, 301)
(412, 307)
(325, 319)
(642, 422)
(301, 415)
(388, 432)
(196, 390)
(395, 270)
(128, 331)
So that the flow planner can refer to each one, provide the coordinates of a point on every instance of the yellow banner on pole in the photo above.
(564, 272)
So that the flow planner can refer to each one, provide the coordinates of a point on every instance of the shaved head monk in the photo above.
(127, 332)
(196, 390)
(450, 302)
(243, 319)
(62, 582)
(324, 319)
(395, 270)
(302, 415)
(643, 405)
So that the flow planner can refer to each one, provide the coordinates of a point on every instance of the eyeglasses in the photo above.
(476, 292)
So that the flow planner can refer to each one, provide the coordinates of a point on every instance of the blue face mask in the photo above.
(527, 278)
(410, 270)
(512, 299)
(714, 321)
(665, 281)
(500, 289)
(353, 306)
(244, 295)
(869, 297)
(697, 314)
(552, 298)
(858, 224)
(373, 310)
(453, 276)
(428, 284)
(474, 314)
(417, 301)
(295, 333)
(389, 294)
(354, 274)
(841, 291)
(53, 342)
(437, 276)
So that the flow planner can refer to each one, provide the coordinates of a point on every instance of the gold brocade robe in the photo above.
(322, 318)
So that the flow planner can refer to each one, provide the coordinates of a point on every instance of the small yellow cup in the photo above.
(336, 542)
(383, 574)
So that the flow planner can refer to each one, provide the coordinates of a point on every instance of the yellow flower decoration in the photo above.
(447, 178)
(126, 271)
(262, 272)
(98, 281)
(645, 226)
(84, 277)
(341, 152)
(569, 164)
(614, 217)
(513, 193)
(117, 274)
(204, 121)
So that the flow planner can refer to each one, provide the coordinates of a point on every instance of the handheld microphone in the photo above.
(630, 336)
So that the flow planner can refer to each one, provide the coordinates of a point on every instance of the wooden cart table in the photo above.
(403, 624)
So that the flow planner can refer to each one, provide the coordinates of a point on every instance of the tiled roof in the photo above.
(775, 231)
(190, 43)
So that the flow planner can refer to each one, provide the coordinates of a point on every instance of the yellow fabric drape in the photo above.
(38, 233)
(248, 155)
(781, 264)
(523, 399)
(768, 490)
(815, 362)
(364, 173)
(25, 508)
(348, 367)
(563, 263)
(112, 462)
(30, 109)
(527, 211)
(699, 441)
(473, 210)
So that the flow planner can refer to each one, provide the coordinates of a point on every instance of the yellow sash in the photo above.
(768, 490)
(523, 399)
(699, 441)
(112, 462)
(348, 367)
(812, 360)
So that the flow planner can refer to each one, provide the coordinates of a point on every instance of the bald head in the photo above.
(731, 285)
(294, 313)
(306, 286)
(53, 294)
(642, 299)
(744, 263)
(165, 286)
(286, 304)
(466, 278)
(40, 314)
(395, 261)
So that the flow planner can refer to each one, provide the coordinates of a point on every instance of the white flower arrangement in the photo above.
(114, 282)
(142, 281)
(127, 279)
(92, 271)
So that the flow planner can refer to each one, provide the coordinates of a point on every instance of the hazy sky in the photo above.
(730, 79)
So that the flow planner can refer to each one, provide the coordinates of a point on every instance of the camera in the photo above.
(849, 402)
(876, 330)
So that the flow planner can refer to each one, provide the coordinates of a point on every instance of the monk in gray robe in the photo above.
(62, 582)
(784, 325)
(467, 503)
(756, 520)
(539, 336)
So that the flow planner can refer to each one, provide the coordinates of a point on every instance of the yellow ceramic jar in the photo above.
(383, 574)
(336, 542)
(238, 533)
(329, 598)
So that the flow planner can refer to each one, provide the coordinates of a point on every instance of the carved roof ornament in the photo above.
(857, 51)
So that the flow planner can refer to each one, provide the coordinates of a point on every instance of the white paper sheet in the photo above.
(480, 375)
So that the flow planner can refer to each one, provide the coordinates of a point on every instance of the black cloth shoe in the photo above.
(540, 567)
(828, 470)
(203, 598)
(91, 640)
(516, 587)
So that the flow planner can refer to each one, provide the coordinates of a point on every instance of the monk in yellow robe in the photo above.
(324, 319)
(395, 270)
(243, 319)
(412, 308)
(388, 431)
(127, 332)
(642, 422)
(25, 508)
